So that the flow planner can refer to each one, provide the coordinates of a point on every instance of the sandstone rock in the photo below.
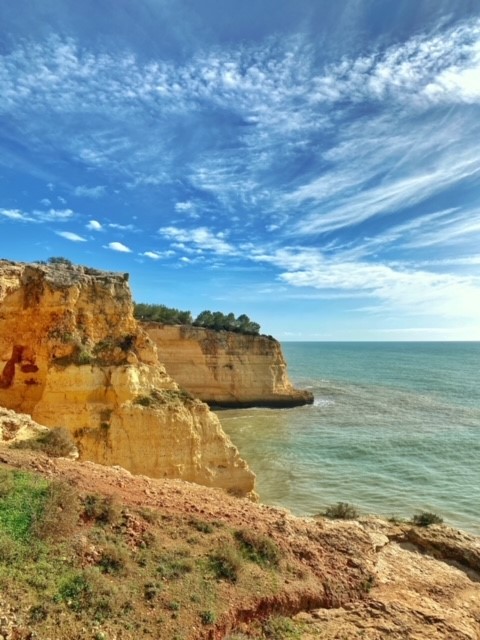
(15, 427)
(72, 354)
(226, 369)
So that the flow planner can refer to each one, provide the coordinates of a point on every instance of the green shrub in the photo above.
(200, 525)
(258, 548)
(281, 628)
(112, 559)
(174, 565)
(341, 511)
(102, 509)
(58, 514)
(226, 563)
(207, 617)
(426, 518)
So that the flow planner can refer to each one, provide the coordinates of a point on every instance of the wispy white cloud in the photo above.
(121, 227)
(151, 254)
(15, 214)
(69, 235)
(200, 238)
(118, 246)
(90, 192)
(277, 98)
(39, 216)
(54, 215)
(415, 292)
(158, 255)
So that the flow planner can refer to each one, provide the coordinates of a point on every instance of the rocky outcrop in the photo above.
(226, 369)
(72, 355)
(15, 427)
(426, 585)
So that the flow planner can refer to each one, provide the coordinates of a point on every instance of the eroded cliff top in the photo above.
(183, 559)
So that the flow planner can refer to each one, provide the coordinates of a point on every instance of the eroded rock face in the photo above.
(226, 369)
(72, 354)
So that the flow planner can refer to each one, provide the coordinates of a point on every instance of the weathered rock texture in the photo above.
(72, 354)
(226, 369)
(15, 427)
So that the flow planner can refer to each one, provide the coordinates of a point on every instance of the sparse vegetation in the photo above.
(158, 397)
(86, 566)
(341, 511)
(56, 443)
(426, 518)
(258, 548)
(102, 509)
(60, 260)
(281, 628)
(226, 563)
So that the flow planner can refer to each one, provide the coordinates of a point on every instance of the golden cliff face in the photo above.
(72, 354)
(226, 369)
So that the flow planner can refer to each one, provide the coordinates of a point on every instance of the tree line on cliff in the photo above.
(215, 320)
(207, 319)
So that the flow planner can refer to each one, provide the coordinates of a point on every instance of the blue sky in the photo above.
(314, 164)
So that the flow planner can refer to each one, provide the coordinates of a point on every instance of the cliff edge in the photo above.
(72, 355)
(226, 369)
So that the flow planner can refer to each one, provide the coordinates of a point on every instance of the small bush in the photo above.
(56, 443)
(207, 617)
(76, 591)
(341, 511)
(102, 509)
(258, 548)
(84, 357)
(144, 401)
(426, 518)
(87, 591)
(200, 525)
(281, 628)
(112, 559)
(226, 564)
(150, 591)
(58, 515)
(174, 566)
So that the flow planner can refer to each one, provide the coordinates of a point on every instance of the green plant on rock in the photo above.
(426, 518)
(341, 511)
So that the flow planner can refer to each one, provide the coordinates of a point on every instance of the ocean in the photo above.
(394, 430)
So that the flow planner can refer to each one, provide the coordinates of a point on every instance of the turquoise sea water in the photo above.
(395, 429)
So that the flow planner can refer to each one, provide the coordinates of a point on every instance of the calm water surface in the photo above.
(395, 429)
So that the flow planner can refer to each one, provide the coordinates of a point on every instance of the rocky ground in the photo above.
(366, 579)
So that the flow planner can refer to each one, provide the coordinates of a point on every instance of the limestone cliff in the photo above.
(226, 369)
(72, 354)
